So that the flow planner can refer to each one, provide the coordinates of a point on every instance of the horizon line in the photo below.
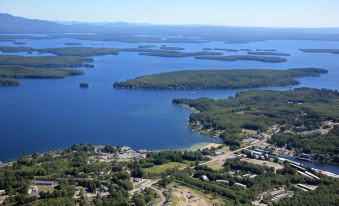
(75, 22)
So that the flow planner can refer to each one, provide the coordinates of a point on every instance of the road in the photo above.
(163, 198)
(228, 154)
(150, 183)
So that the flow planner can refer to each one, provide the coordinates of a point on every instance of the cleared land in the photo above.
(157, 169)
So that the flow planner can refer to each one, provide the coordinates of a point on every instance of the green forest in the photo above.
(299, 110)
(10, 74)
(322, 147)
(45, 61)
(80, 51)
(219, 79)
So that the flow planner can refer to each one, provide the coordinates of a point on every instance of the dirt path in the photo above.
(187, 197)
(163, 199)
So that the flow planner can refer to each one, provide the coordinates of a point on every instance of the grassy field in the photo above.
(182, 195)
(157, 169)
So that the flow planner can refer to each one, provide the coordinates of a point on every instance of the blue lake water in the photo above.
(45, 114)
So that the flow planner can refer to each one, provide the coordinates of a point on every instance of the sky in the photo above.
(252, 13)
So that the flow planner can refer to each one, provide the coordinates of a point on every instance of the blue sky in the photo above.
(266, 13)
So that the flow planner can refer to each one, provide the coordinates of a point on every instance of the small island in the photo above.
(219, 79)
(227, 50)
(147, 46)
(245, 57)
(332, 51)
(171, 48)
(19, 43)
(268, 53)
(73, 44)
(84, 85)
(179, 54)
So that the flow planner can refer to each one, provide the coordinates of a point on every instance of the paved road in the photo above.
(216, 158)
(144, 185)
(227, 155)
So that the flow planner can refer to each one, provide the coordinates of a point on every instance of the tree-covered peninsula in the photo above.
(219, 79)
(298, 112)
(245, 57)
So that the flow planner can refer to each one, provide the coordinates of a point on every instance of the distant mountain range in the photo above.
(19, 25)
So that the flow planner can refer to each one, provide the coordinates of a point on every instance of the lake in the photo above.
(41, 115)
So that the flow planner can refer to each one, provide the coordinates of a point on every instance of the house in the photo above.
(138, 180)
(204, 178)
(3, 199)
(240, 185)
(33, 191)
(223, 181)
(42, 183)
(253, 176)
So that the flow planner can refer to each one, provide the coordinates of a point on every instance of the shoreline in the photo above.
(200, 146)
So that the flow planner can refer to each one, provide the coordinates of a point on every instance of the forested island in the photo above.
(269, 53)
(294, 112)
(14, 67)
(333, 51)
(171, 48)
(45, 61)
(219, 79)
(9, 75)
(73, 44)
(15, 49)
(244, 57)
(80, 51)
(170, 53)
(227, 50)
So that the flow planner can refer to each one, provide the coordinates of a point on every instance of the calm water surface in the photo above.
(41, 115)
